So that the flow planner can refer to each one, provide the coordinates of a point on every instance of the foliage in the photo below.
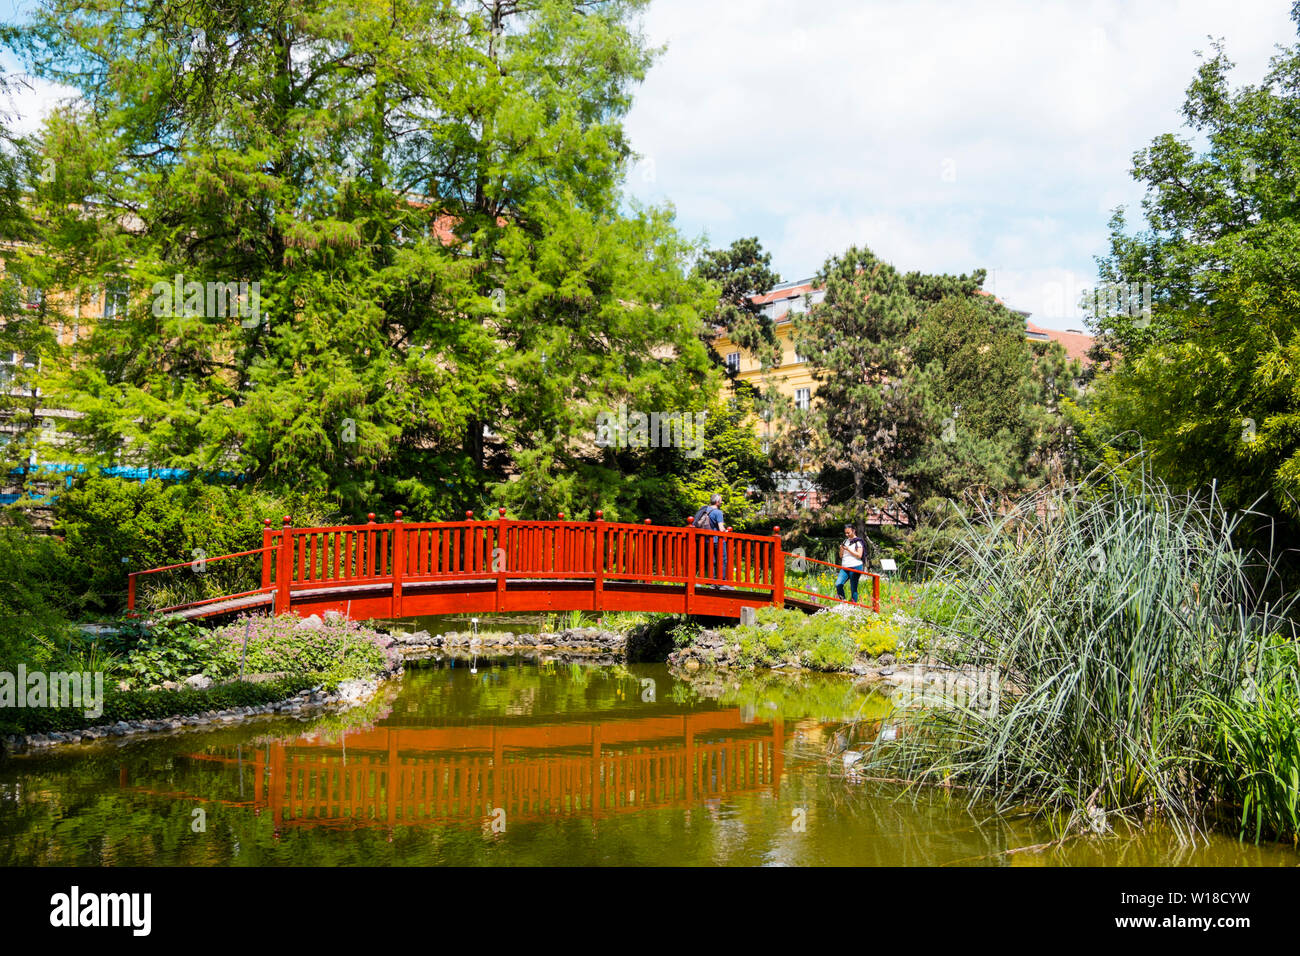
(25, 328)
(822, 641)
(1107, 619)
(743, 271)
(1207, 384)
(926, 391)
(113, 526)
(1256, 755)
(336, 647)
(429, 195)
(732, 464)
(37, 590)
(153, 652)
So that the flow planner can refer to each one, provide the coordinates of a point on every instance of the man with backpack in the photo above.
(710, 516)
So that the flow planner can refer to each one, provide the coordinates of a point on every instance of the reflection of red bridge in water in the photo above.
(463, 774)
(398, 570)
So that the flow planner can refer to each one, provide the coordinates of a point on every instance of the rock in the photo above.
(334, 617)
(692, 664)
(353, 690)
(170, 685)
(312, 622)
(198, 681)
(887, 658)
(851, 757)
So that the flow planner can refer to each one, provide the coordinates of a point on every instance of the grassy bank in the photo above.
(143, 663)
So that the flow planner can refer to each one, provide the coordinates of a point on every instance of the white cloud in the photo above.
(946, 136)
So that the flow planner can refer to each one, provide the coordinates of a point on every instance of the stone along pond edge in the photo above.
(709, 651)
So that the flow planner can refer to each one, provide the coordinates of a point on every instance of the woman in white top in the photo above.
(852, 551)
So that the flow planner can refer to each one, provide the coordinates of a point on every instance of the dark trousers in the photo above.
(718, 558)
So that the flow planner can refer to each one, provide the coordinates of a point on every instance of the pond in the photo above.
(511, 762)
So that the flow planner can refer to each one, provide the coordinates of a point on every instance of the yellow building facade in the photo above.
(793, 377)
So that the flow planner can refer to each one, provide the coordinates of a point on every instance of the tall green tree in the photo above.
(26, 327)
(1207, 385)
(927, 391)
(874, 408)
(427, 195)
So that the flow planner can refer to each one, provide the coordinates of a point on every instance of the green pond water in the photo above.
(509, 762)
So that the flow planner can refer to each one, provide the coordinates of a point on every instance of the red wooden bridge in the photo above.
(399, 569)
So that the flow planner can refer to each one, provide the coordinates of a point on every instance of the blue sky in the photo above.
(946, 136)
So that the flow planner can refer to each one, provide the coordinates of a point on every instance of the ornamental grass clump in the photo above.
(1108, 618)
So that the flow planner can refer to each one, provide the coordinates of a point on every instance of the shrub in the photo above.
(35, 598)
(823, 641)
(113, 526)
(145, 653)
(337, 647)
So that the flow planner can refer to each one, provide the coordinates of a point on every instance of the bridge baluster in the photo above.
(399, 562)
(283, 568)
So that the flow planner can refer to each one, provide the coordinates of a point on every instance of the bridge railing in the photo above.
(818, 595)
(399, 555)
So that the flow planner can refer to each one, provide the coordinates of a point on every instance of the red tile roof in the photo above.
(1076, 344)
(789, 292)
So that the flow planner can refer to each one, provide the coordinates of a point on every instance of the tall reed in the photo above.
(1107, 618)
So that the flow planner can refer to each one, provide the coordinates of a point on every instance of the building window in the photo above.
(11, 364)
(733, 362)
(115, 302)
(803, 398)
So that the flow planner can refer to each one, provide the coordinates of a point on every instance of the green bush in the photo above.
(113, 526)
(337, 648)
(35, 599)
(822, 641)
(145, 652)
